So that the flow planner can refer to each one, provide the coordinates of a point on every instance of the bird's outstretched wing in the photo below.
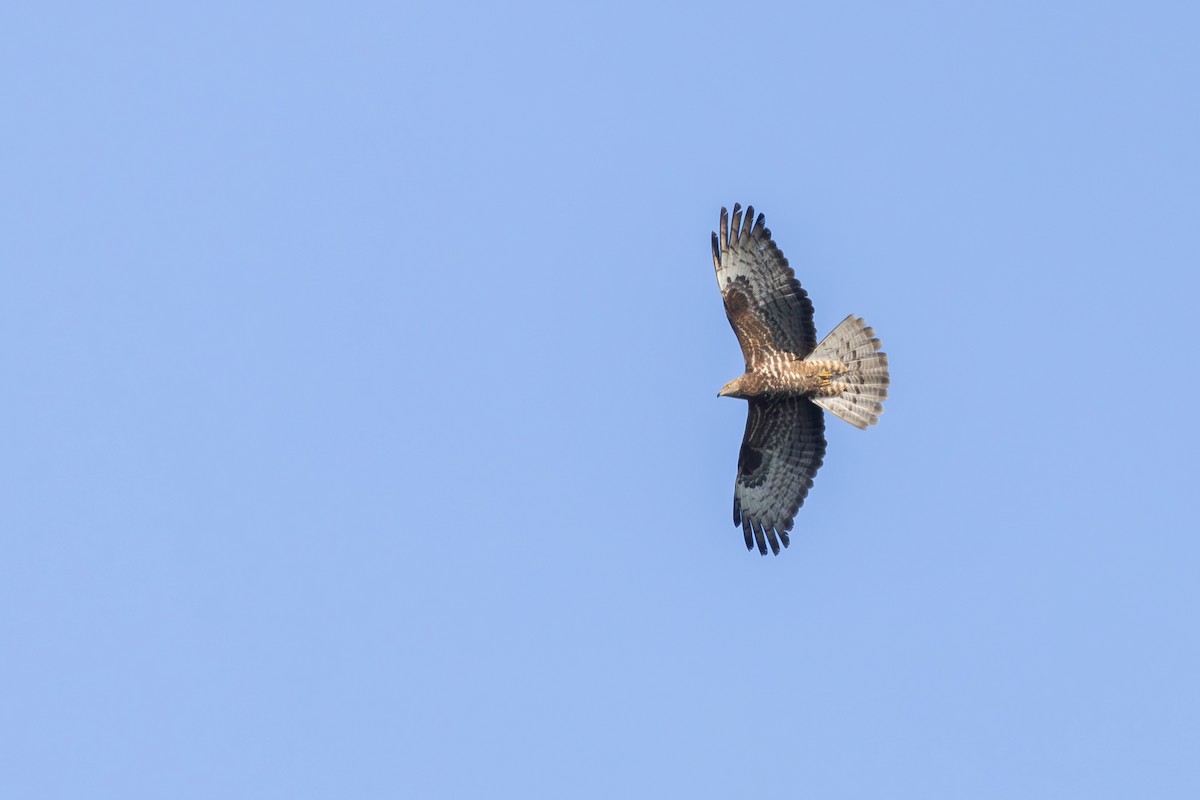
(781, 452)
(766, 305)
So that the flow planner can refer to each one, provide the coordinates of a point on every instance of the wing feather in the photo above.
(748, 226)
(782, 450)
(767, 308)
(735, 228)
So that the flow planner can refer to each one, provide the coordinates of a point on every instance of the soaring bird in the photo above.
(789, 378)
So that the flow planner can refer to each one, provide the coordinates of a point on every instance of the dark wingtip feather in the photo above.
(716, 248)
(748, 536)
(783, 537)
(774, 542)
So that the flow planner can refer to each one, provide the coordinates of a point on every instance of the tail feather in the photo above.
(864, 384)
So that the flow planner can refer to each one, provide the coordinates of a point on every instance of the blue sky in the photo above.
(361, 438)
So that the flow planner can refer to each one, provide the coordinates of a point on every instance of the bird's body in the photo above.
(786, 376)
(789, 378)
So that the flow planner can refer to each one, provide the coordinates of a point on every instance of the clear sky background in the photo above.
(360, 434)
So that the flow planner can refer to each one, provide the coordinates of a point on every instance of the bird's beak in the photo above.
(724, 391)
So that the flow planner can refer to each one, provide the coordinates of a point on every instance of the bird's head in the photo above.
(732, 389)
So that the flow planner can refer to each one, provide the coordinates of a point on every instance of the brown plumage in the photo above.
(789, 377)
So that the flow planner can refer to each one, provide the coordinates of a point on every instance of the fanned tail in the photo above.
(865, 381)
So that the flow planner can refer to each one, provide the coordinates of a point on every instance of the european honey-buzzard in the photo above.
(789, 378)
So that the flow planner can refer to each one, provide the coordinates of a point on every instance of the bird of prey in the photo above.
(789, 378)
